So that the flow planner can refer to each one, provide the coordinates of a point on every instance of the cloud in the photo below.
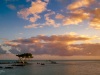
(80, 3)
(33, 14)
(49, 21)
(35, 18)
(49, 39)
(37, 7)
(80, 11)
(59, 16)
(76, 17)
(2, 51)
(95, 21)
(34, 10)
(53, 45)
(12, 7)
(58, 49)
(77, 12)
(34, 26)
(91, 49)
(31, 26)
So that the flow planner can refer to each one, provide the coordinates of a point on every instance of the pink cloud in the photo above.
(59, 16)
(80, 10)
(49, 21)
(53, 45)
(34, 10)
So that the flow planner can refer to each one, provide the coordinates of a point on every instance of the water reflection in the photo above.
(63, 68)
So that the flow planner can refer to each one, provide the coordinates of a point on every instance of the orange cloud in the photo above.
(76, 17)
(11, 43)
(31, 26)
(35, 18)
(81, 10)
(50, 39)
(80, 3)
(77, 12)
(36, 8)
(59, 16)
(49, 21)
(57, 45)
(34, 26)
(95, 21)
(72, 48)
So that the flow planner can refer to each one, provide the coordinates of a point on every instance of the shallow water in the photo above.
(62, 68)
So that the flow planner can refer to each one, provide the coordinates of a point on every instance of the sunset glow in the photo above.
(50, 29)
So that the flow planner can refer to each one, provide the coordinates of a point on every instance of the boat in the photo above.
(53, 62)
(42, 64)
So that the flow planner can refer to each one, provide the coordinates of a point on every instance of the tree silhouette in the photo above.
(23, 58)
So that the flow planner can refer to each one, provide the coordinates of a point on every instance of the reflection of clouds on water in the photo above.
(2, 71)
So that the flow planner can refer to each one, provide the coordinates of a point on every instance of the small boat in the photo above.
(42, 64)
(38, 63)
(53, 62)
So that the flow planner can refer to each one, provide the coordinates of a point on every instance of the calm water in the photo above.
(62, 68)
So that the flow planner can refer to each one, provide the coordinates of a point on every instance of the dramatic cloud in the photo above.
(50, 39)
(60, 45)
(10, 6)
(59, 49)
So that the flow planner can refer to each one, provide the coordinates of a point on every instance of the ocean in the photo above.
(61, 68)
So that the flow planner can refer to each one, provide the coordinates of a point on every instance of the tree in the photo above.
(23, 58)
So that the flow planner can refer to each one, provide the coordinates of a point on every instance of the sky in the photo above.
(50, 29)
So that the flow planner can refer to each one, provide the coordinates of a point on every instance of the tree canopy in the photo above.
(23, 58)
(25, 55)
